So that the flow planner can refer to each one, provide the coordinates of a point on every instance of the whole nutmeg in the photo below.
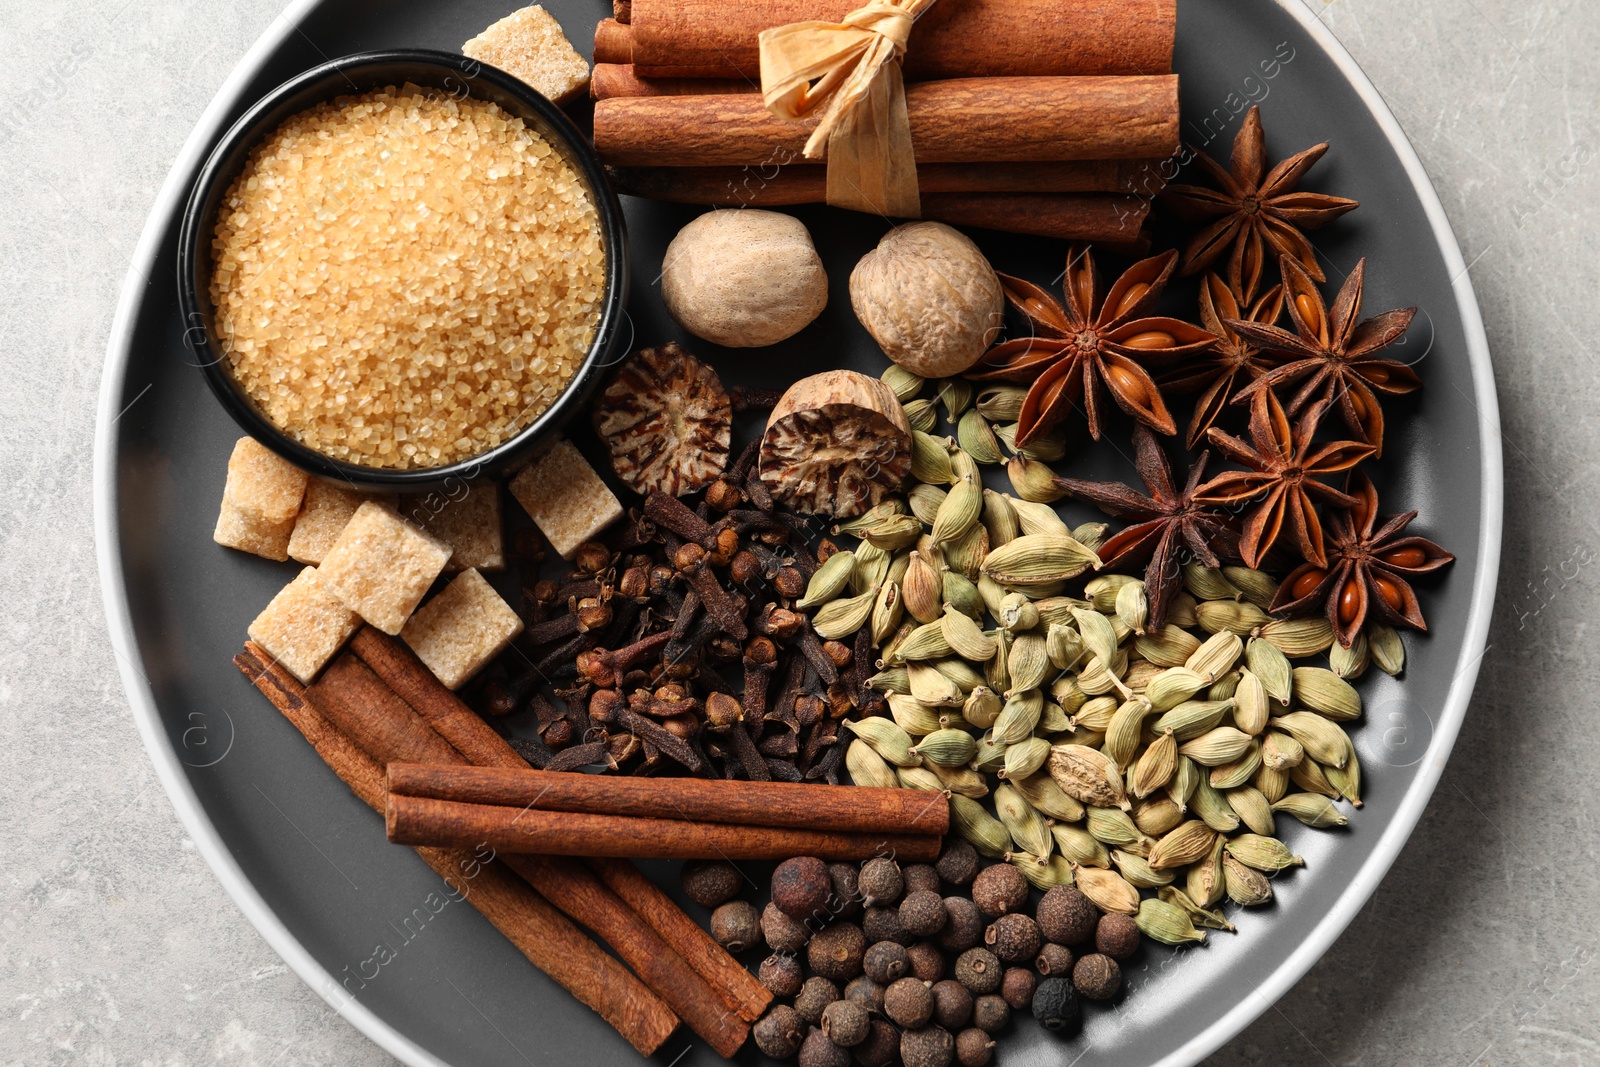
(836, 952)
(963, 925)
(978, 970)
(710, 882)
(958, 863)
(932, 1047)
(800, 886)
(818, 1050)
(736, 926)
(922, 913)
(909, 1003)
(846, 1023)
(999, 888)
(1013, 937)
(974, 1048)
(929, 298)
(881, 1048)
(1117, 936)
(814, 997)
(927, 961)
(1097, 977)
(744, 279)
(1066, 916)
(779, 1032)
(1017, 986)
(782, 933)
(952, 1004)
(781, 974)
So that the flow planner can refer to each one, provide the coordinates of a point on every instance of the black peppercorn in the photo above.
(1017, 986)
(952, 1004)
(978, 970)
(782, 975)
(881, 1048)
(846, 1023)
(800, 886)
(880, 882)
(922, 913)
(1066, 916)
(710, 882)
(990, 1013)
(883, 924)
(1013, 937)
(885, 962)
(1097, 977)
(845, 902)
(927, 962)
(736, 926)
(1054, 959)
(1056, 1006)
(920, 877)
(963, 925)
(820, 1051)
(782, 933)
(958, 863)
(814, 996)
(974, 1048)
(779, 1032)
(933, 1047)
(999, 888)
(836, 951)
(866, 992)
(909, 1003)
(1117, 936)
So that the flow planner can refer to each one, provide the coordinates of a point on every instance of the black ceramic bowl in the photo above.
(461, 77)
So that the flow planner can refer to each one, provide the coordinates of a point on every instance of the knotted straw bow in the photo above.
(855, 65)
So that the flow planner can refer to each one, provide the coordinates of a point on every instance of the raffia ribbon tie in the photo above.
(851, 71)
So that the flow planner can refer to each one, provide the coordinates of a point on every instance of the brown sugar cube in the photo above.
(469, 524)
(459, 631)
(304, 626)
(235, 529)
(328, 506)
(566, 498)
(381, 565)
(262, 485)
(529, 44)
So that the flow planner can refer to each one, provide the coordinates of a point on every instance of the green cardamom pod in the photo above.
(1036, 559)
(1262, 852)
(1079, 846)
(1041, 791)
(886, 739)
(1125, 730)
(1137, 870)
(872, 567)
(978, 828)
(1216, 656)
(918, 778)
(930, 459)
(1099, 677)
(1238, 617)
(1108, 890)
(967, 553)
(1039, 520)
(1025, 825)
(885, 509)
(830, 580)
(1316, 812)
(1102, 590)
(923, 590)
(924, 501)
(982, 707)
(915, 717)
(891, 680)
(925, 643)
(1172, 687)
(1250, 708)
(1166, 923)
(1272, 783)
(1322, 738)
(1253, 809)
(1167, 647)
(1028, 662)
(1212, 807)
(1092, 534)
(1115, 827)
(1063, 647)
(978, 440)
(838, 619)
(1133, 607)
(905, 384)
(956, 396)
(1299, 638)
(1043, 876)
(1239, 771)
(1019, 717)
(1025, 757)
(1017, 613)
(963, 780)
(1187, 844)
(1246, 887)
(893, 534)
(999, 520)
(1054, 719)
(929, 685)
(1205, 583)
(887, 611)
(966, 638)
(1346, 779)
(867, 768)
(1225, 687)
(1098, 635)
(1181, 611)
(922, 415)
(1311, 777)
(1204, 882)
(1155, 766)
(962, 507)
(963, 674)
(961, 595)
(1002, 403)
(1268, 663)
(1350, 663)
(1185, 780)
(991, 754)
(1323, 691)
(1156, 815)
(947, 747)
(1088, 776)
(1211, 920)
(1218, 746)
(1033, 481)
(1259, 587)
(1386, 648)
(1193, 718)
(1280, 751)
(963, 465)
(997, 675)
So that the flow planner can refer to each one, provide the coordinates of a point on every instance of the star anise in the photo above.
(1232, 362)
(1089, 345)
(1331, 353)
(1168, 522)
(1282, 480)
(1367, 569)
(1258, 218)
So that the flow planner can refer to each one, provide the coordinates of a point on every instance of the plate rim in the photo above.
(208, 841)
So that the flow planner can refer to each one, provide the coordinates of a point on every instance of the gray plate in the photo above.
(308, 864)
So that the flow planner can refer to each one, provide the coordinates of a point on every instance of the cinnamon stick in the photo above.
(751, 804)
(619, 79)
(549, 940)
(422, 821)
(613, 42)
(807, 183)
(965, 38)
(967, 120)
(1099, 219)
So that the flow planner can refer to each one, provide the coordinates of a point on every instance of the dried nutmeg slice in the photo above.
(836, 444)
(667, 422)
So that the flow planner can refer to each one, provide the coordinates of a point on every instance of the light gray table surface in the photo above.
(118, 946)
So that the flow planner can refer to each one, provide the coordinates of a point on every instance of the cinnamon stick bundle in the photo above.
(967, 120)
(418, 820)
(807, 183)
(953, 39)
(793, 806)
(549, 940)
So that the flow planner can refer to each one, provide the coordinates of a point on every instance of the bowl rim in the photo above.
(431, 68)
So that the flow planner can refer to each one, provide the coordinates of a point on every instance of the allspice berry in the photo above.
(978, 970)
(818, 1050)
(1057, 1007)
(881, 1048)
(927, 962)
(781, 933)
(930, 1047)
(814, 997)
(710, 882)
(1054, 959)
(880, 882)
(866, 992)
(885, 962)
(990, 1013)
(909, 1003)
(999, 888)
(1013, 937)
(836, 951)
(845, 903)
(963, 925)
(1066, 916)
(846, 1023)
(920, 877)
(958, 863)
(782, 975)
(800, 886)
(922, 912)
(1097, 977)
(883, 924)
(1117, 936)
(1017, 986)
(952, 1004)
(779, 1032)
(974, 1048)
(736, 926)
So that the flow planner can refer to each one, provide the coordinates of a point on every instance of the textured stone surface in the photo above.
(117, 945)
